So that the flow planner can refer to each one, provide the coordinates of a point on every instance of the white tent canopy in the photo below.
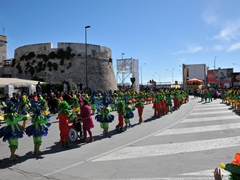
(16, 82)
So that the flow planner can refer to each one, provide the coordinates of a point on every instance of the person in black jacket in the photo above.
(39, 89)
(53, 103)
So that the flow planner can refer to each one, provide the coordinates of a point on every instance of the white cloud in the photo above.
(192, 49)
(231, 31)
(218, 47)
(234, 47)
(209, 17)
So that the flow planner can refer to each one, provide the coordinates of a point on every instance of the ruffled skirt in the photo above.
(11, 131)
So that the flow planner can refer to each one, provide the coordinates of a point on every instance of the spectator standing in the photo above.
(80, 85)
(39, 89)
(15, 98)
(51, 87)
(53, 103)
(67, 97)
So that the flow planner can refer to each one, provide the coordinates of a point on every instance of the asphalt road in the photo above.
(186, 144)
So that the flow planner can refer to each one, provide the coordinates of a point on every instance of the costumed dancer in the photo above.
(140, 106)
(23, 109)
(75, 105)
(1, 112)
(121, 113)
(223, 95)
(205, 94)
(176, 101)
(210, 93)
(164, 104)
(128, 114)
(76, 111)
(12, 131)
(112, 103)
(104, 117)
(233, 168)
(87, 121)
(156, 105)
(64, 117)
(93, 103)
(169, 102)
(40, 125)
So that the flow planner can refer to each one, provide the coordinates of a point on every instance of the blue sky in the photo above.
(161, 33)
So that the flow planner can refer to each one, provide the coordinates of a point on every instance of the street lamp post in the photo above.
(215, 62)
(172, 73)
(86, 27)
(141, 71)
(236, 64)
(122, 67)
(158, 76)
(86, 55)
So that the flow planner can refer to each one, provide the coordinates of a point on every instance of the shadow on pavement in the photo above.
(6, 162)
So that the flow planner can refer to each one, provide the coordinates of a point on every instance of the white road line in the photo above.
(167, 149)
(210, 119)
(199, 129)
(172, 178)
(201, 175)
(212, 112)
(205, 173)
(210, 108)
(212, 104)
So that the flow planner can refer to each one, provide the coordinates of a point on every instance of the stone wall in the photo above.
(68, 61)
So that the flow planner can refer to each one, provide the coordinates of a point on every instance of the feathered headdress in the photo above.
(63, 107)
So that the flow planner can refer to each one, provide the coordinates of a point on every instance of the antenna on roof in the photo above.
(3, 30)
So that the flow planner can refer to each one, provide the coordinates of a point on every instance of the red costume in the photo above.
(63, 127)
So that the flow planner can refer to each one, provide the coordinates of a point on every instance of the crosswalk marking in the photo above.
(210, 118)
(200, 129)
(211, 112)
(167, 149)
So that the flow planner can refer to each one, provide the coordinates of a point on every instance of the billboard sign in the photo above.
(124, 65)
(220, 75)
(236, 79)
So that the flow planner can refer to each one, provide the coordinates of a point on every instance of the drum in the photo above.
(73, 134)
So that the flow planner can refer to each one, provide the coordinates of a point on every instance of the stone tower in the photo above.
(67, 61)
(3, 49)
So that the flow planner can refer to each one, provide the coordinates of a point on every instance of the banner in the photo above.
(124, 65)
(236, 79)
(220, 75)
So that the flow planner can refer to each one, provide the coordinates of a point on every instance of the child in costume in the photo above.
(156, 105)
(121, 114)
(24, 109)
(1, 112)
(12, 131)
(104, 117)
(40, 125)
(76, 111)
(140, 106)
(76, 106)
(128, 115)
(169, 102)
(94, 104)
(64, 117)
